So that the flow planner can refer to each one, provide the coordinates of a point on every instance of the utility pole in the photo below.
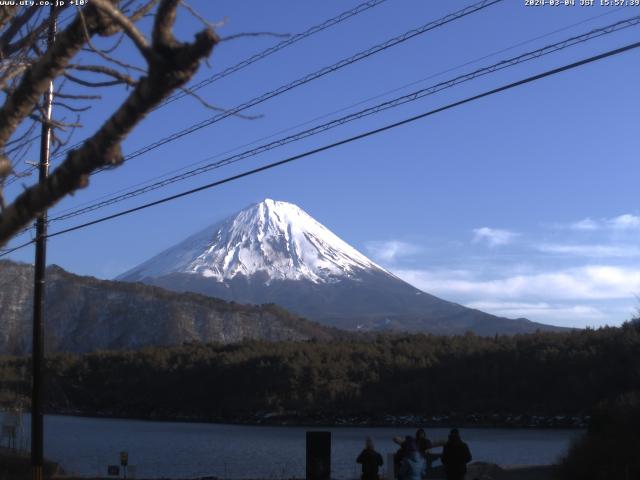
(37, 353)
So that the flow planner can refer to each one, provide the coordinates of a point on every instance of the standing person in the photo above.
(413, 466)
(401, 452)
(370, 460)
(455, 456)
(425, 445)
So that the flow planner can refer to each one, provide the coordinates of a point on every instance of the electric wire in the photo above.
(259, 56)
(340, 110)
(311, 77)
(276, 48)
(396, 102)
(369, 133)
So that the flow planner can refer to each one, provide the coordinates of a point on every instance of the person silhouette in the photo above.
(455, 456)
(413, 465)
(425, 445)
(370, 460)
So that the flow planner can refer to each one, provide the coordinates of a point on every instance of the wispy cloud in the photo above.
(590, 250)
(595, 282)
(571, 314)
(579, 274)
(626, 221)
(389, 251)
(586, 224)
(493, 237)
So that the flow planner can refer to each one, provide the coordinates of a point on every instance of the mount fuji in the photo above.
(274, 252)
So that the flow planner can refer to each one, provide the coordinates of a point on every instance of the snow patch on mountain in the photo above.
(272, 238)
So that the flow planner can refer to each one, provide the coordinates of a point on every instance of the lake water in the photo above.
(86, 446)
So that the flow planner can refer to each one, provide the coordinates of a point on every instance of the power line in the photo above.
(276, 48)
(260, 56)
(411, 97)
(354, 138)
(342, 109)
(313, 76)
(8, 251)
(317, 74)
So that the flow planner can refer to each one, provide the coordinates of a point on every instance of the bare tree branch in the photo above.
(254, 34)
(60, 142)
(7, 12)
(126, 24)
(171, 65)
(5, 167)
(54, 123)
(71, 108)
(143, 10)
(36, 79)
(70, 96)
(13, 69)
(22, 137)
(28, 40)
(115, 46)
(102, 53)
(210, 106)
(14, 27)
(110, 72)
(90, 84)
(198, 15)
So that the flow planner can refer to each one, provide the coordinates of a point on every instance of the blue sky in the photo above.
(521, 204)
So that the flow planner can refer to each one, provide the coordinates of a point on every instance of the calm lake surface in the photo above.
(86, 446)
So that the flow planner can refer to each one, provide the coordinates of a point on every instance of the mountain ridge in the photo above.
(85, 313)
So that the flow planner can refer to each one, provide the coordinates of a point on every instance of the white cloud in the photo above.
(567, 314)
(493, 236)
(589, 250)
(390, 250)
(586, 296)
(596, 282)
(626, 221)
(586, 224)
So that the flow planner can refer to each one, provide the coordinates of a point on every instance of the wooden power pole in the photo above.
(37, 354)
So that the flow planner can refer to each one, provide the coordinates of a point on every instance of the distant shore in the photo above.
(294, 419)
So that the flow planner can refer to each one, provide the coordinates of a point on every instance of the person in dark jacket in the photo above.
(455, 456)
(370, 460)
(402, 451)
(423, 443)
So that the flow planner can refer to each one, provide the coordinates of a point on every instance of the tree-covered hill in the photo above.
(537, 374)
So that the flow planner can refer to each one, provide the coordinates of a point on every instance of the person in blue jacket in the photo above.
(413, 465)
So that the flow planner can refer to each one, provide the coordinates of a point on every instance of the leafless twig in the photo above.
(254, 34)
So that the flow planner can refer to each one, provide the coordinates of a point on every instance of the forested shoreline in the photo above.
(369, 380)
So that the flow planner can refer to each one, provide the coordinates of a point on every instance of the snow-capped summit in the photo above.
(277, 240)
(274, 252)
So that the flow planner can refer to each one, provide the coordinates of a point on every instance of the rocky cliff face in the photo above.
(16, 299)
(85, 314)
